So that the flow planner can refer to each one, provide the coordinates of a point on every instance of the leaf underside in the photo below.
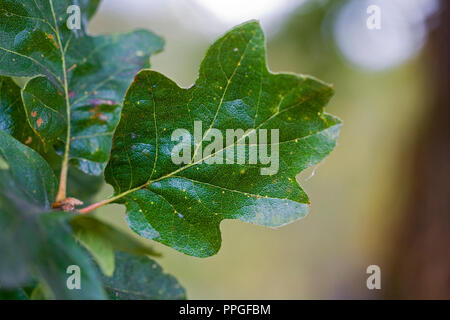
(182, 205)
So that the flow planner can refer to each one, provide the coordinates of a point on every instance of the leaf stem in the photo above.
(94, 206)
(107, 201)
(65, 163)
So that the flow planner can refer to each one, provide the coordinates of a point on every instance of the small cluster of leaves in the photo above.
(66, 99)
(73, 82)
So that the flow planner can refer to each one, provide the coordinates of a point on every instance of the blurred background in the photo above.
(382, 197)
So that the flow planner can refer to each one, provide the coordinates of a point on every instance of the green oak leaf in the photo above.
(77, 81)
(141, 278)
(33, 241)
(102, 240)
(182, 205)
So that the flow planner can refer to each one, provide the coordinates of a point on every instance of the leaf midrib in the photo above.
(173, 173)
(224, 92)
(64, 168)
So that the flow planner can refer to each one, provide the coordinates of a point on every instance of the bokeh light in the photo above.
(401, 36)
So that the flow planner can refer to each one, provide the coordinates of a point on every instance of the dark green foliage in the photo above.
(70, 107)
(183, 205)
(141, 278)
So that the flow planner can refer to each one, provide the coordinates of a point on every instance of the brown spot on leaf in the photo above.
(52, 38)
(33, 114)
(29, 140)
(39, 122)
(97, 114)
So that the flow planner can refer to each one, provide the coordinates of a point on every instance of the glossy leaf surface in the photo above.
(182, 205)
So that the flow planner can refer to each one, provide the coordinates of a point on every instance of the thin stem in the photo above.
(94, 206)
(107, 201)
(65, 163)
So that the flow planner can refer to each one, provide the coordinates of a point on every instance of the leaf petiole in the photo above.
(65, 163)
(99, 204)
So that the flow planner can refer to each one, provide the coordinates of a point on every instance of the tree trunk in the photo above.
(421, 257)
